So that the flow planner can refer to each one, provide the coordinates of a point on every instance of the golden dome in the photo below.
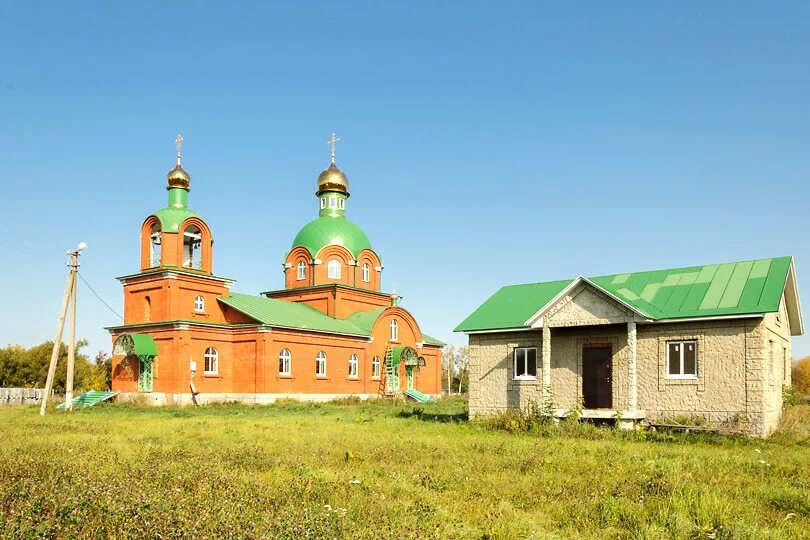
(178, 177)
(332, 179)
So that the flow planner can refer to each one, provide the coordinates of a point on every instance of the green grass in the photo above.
(386, 470)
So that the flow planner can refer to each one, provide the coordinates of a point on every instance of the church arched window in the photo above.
(394, 330)
(366, 272)
(211, 358)
(320, 364)
(199, 304)
(192, 247)
(302, 270)
(154, 246)
(334, 269)
(284, 361)
(353, 366)
(376, 367)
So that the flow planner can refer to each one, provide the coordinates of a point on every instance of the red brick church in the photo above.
(330, 332)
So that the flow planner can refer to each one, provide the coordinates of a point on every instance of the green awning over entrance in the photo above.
(407, 355)
(137, 344)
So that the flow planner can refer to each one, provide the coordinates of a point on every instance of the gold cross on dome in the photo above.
(333, 141)
(179, 142)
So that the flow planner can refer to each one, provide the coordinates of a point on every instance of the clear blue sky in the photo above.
(486, 143)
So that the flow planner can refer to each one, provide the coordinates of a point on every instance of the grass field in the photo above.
(386, 470)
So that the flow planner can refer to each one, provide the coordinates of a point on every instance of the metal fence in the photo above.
(21, 396)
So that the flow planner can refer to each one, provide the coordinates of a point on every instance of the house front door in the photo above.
(597, 387)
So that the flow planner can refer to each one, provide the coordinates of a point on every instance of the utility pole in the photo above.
(70, 294)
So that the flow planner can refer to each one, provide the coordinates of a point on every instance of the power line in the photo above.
(97, 296)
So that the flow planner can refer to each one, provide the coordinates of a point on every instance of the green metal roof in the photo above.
(739, 288)
(512, 306)
(364, 320)
(172, 217)
(432, 340)
(285, 314)
(331, 231)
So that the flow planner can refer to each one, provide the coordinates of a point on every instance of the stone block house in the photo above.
(703, 344)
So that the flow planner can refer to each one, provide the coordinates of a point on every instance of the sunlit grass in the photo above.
(386, 470)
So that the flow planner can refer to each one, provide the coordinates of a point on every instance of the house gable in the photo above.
(586, 305)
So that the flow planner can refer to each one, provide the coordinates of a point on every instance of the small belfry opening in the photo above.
(192, 247)
(154, 246)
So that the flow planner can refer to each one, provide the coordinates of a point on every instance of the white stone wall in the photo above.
(733, 386)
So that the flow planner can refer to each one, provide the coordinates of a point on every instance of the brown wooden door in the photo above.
(597, 388)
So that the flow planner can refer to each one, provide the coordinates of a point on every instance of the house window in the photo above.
(302, 270)
(366, 272)
(682, 358)
(284, 358)
(323, 203)
(376, 367)
(334, 269)
(320, 364)
(353, 366)
(211, 361)
(525, 360)
(332, 202)
(394, 330)
(342, 204)
(199, 304)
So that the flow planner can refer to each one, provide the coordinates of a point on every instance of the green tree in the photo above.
(800, 375)
(28, 368)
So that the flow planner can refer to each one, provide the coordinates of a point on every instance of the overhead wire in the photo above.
(97, 296)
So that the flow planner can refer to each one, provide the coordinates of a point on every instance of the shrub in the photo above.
(790, 396)
(800, 375)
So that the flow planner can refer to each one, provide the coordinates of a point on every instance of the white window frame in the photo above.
(199, 304)
(354, 367)
(285, 363)
(323, 203)
(525, 377)
(333, 269)
(320, 361)
(394, 327)
(341, 204)
(376, 367)
(301, 271)
(366, 272)
(211, 361)
(681, 374)
(332, 202)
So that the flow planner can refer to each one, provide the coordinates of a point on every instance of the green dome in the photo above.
(332, 231)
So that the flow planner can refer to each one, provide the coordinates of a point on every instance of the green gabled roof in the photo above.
(512, 306)
(281, 313)
(740, 288)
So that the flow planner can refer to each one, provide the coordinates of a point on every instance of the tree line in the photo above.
(28, 368)
(455, 369)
